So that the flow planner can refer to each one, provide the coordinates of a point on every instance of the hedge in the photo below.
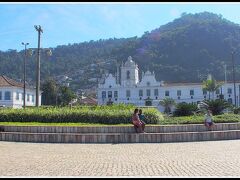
(114, 114)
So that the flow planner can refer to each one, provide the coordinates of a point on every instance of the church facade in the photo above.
(126, 88)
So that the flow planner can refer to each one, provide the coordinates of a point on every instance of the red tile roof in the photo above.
(7, 82)
(89, 101)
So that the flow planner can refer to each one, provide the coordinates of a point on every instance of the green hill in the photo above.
(179, 51)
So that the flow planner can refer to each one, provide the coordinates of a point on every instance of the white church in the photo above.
(126, 88)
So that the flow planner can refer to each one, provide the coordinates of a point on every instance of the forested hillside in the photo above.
(179, 51)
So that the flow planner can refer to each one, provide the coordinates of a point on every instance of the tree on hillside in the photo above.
(211, 85)
(66, 95)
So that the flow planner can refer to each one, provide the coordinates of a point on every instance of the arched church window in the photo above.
(128, 74)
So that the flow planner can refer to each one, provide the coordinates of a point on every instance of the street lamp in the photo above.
(24, 75)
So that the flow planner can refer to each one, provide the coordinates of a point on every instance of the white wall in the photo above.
(17, 103)
(185, 94)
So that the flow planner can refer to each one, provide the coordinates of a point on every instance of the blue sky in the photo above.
(64, 23)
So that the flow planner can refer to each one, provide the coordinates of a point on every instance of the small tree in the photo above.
(211, 85)
(167, 103)
(49, 89)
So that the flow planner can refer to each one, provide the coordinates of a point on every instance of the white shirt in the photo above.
(208, 118)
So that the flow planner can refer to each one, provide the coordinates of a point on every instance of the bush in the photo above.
(236, 110)
(185, 109)
(111, 114)
(217, 106)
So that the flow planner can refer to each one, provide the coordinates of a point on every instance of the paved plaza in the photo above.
(209, 158)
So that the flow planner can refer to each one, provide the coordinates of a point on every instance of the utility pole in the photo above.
(234, 83)
(39, 30)
(24, 75)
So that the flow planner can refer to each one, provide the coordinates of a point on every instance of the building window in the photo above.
(191, 92)
(18, 96)
(33, 98)
(128, 74)
(7, 95)
(103, 94)
(155, 92)
(230, 100)
(204, 97)
(204, 92)
(148, 92)
(140, 98)
(28, 97)
(115, 94)
(0, 95)
(109, 94)
(217, 91)
(178, 97)
(148, 83)
(179, 93)
(191, 97)
(229, 90)
(128, 93)
(166, 93)
(156, 97)
(140, 92)
(115, 99)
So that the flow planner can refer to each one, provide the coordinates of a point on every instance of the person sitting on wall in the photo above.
(209, 120)
(136, 122)
(141, 117)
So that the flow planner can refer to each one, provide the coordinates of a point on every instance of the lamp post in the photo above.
(24, 75)
(234, 81)
(39, 30)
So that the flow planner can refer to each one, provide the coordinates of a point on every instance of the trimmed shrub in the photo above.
(111, 114)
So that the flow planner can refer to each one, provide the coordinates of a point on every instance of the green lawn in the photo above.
(198, 119)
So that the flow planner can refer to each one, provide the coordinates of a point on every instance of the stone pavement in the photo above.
(209, 158)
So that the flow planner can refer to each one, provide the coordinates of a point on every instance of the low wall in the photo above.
(118, 137)
(121, 129)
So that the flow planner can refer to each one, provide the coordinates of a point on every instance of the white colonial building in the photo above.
(11, 94)
(126, 87)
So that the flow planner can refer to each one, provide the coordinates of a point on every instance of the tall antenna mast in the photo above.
(225, 72)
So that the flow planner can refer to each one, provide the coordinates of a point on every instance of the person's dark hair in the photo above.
(140, 111)
(135, 110)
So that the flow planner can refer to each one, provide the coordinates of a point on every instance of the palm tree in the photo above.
(211, 85)
(167, 103)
